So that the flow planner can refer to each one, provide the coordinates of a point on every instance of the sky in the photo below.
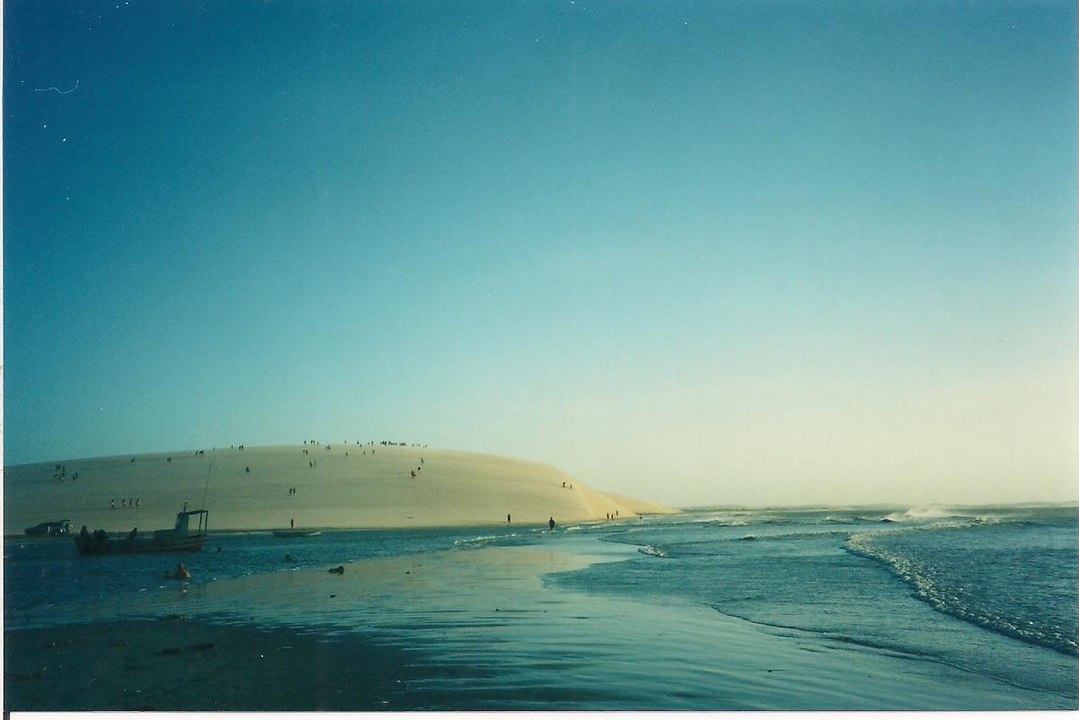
(697, 251)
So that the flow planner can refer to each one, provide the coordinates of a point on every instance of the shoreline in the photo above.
(228, 532)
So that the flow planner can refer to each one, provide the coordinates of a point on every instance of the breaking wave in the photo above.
(653, 550)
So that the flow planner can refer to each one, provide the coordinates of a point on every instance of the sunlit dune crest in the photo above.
(308, 485)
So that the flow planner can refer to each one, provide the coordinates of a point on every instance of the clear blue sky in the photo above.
(697, 251)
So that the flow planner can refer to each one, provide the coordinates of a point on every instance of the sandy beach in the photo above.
(313, 485)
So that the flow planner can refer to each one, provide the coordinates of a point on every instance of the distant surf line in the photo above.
(62, 92)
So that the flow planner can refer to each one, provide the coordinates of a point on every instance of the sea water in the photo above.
(955, 586)
(961, 608)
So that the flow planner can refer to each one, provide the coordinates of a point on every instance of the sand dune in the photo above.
(336, 486)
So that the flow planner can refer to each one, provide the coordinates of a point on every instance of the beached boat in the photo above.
(181, 538)
(53, 528)
(296, 532)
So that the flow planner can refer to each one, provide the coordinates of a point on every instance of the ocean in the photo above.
(715, 609)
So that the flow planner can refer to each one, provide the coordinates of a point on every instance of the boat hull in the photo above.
(296, 533)
(123, 545)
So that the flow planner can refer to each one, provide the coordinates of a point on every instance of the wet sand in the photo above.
(185, 665)
(232, 645)
(188, 660)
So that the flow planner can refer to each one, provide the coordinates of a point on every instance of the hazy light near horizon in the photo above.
(705, 253)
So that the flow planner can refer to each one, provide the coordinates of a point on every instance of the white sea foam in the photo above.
(653, 550)
(939, 514)
(474, 543)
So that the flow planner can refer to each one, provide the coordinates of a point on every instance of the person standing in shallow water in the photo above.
(507, 518)
(550, 523)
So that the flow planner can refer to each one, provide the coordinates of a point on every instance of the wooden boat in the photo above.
(296, 532)
(181, 538)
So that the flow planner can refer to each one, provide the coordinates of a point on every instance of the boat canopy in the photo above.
(183, 521)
